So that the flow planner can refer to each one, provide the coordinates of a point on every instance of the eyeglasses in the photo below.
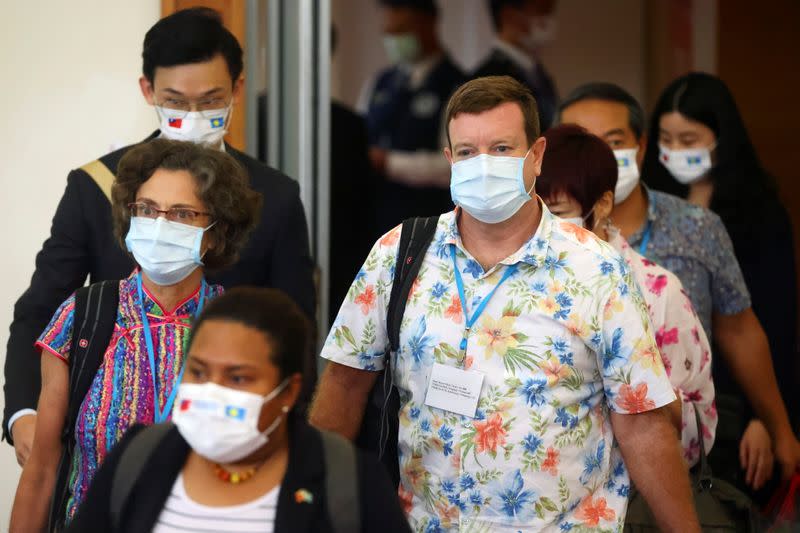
(208, 108)
(174, 214)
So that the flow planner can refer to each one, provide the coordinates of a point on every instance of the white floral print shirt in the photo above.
(562, 342)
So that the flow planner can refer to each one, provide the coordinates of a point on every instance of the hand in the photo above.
(787, 452)
(22, 432)
(755, 454)
(378, 157)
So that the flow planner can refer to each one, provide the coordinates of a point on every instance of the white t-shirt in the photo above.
(181, 514)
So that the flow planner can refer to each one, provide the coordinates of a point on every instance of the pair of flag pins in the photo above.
(303, 496)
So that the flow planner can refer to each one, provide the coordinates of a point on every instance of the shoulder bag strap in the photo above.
(341, 483)
(130, 467)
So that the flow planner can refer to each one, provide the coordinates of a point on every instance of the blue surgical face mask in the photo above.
(166, 251)
(490, 188)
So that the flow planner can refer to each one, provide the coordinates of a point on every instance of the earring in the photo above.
(285, 408)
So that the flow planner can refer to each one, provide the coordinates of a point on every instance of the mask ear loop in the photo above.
(285, 409)
(198, 249)
(522, 174)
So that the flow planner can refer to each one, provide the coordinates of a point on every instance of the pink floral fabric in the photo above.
(684, 347)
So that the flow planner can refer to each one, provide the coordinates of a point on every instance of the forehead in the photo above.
(170, 187)
(597, 116)
(194, 79)
(398, 17)
(540, 7)
(677, 122)
(561, 198)
(224, 342)
(506, 120)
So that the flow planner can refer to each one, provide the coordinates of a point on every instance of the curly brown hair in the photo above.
(222, 185)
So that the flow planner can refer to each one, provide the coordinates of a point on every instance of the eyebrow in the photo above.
(228, 368)
(178, 93)
(494, 142)
(153, 202)
(615, 131)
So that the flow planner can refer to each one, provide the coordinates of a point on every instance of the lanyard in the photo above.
(645, 238)
(161, 414)
(469, 321)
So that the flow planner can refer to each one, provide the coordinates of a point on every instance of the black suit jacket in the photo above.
(82, 244)
(380, 507)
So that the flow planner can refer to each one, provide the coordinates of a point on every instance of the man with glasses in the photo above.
(192, 75)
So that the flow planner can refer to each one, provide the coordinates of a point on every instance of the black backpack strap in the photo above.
(131, 464)
(341, 483)
(415, 238)
(92, 327)
(96, 313)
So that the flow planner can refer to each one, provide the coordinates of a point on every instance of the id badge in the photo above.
(454, 390)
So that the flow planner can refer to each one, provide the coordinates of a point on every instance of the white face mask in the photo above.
(686, 166)
(208, 127)
(543, 31)
(221, 424)
(402, 47)
(579, 221)
(166, 251)
(627, 174)
(490, 188)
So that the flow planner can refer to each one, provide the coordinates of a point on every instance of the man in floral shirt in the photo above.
(527, 366)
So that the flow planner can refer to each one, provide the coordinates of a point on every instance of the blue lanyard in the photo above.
(161, 414)
(469, 321)
(645, 238)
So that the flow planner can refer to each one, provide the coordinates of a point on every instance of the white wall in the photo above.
(70, 90)
(601, 40)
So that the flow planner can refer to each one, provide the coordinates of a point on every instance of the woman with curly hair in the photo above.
(179, 208)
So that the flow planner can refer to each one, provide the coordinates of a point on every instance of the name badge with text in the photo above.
(455, 390)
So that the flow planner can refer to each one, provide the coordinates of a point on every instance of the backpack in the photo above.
(341, 476)
(380, 424)
(93, 325)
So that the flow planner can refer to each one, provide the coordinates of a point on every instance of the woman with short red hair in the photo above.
(579, 174)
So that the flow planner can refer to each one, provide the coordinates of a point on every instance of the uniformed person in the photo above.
(403, 106)
(523, 27)
(192, 75)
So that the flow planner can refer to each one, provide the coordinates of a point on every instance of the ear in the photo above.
(603, 208)
(292, 391)
(448, 154)
(208, 243)
(147, 90)
(238, 90)
(537, 155)
(640, 153)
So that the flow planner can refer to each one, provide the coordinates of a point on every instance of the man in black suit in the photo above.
(523, 27)
(192, 75)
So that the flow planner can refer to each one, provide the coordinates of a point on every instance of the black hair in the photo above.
(189, 36)
(741, 184)
(610, 93)
(271, 312)
(496, 7)
(424, 6)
